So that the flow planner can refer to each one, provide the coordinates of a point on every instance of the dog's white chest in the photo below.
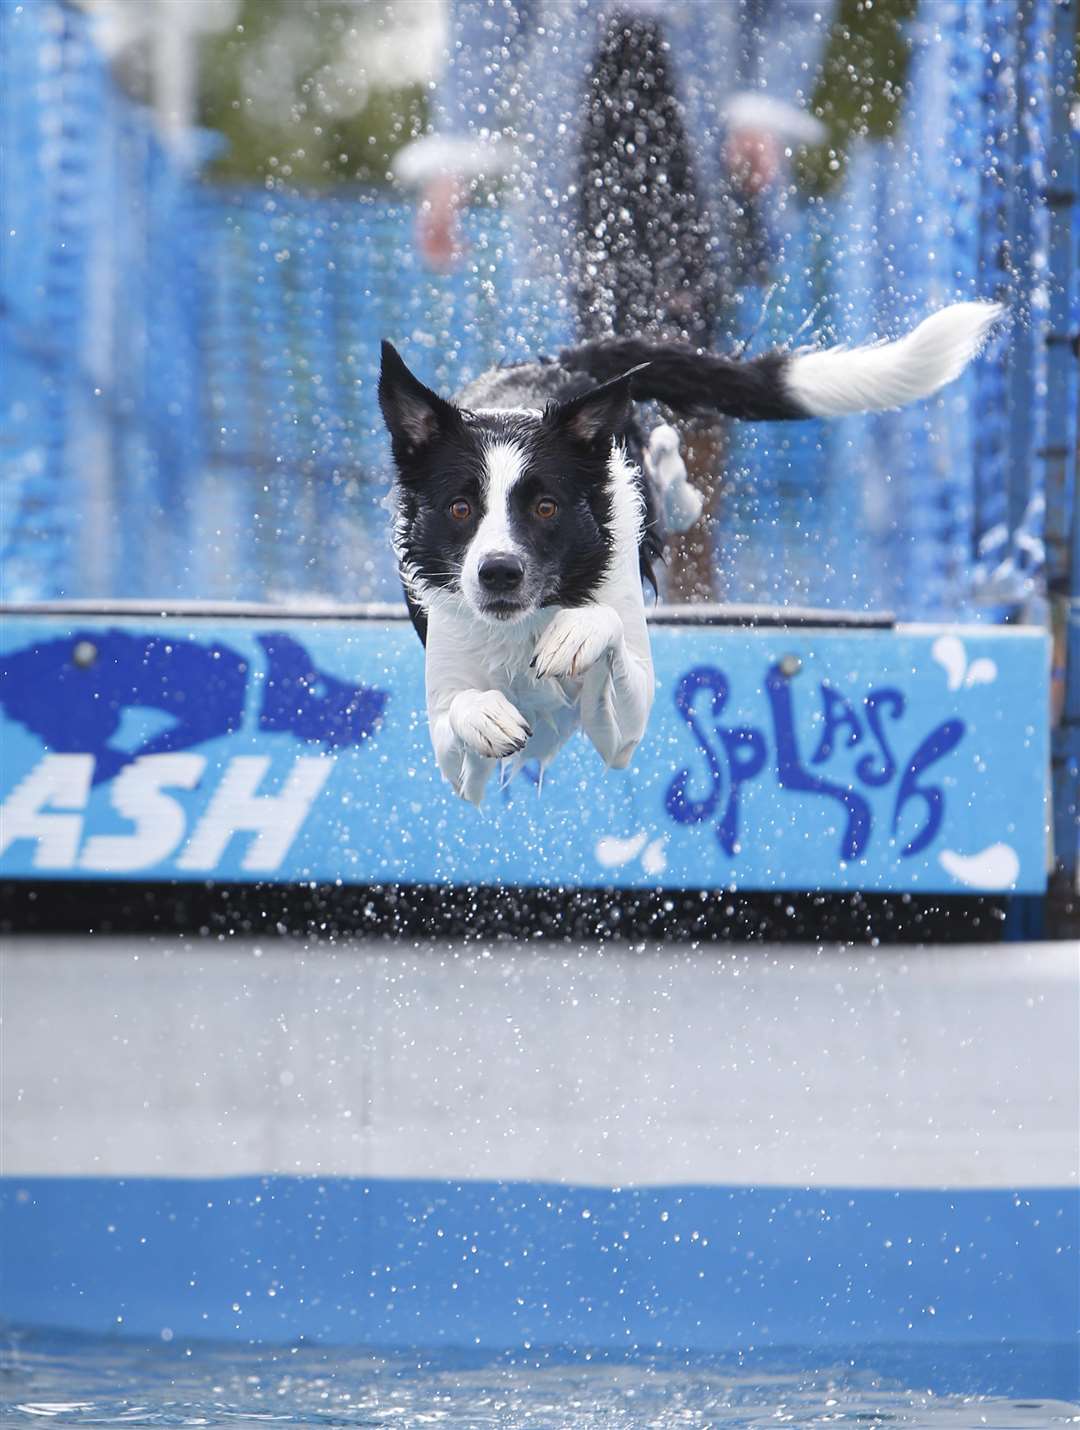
(518, 694)
(464, 653)
(552, 708)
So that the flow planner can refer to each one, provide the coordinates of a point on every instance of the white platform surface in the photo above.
(615, 1065)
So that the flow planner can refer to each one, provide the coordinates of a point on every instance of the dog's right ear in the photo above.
(594, 418)
(412, 412)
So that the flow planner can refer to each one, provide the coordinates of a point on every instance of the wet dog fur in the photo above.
(526, 521)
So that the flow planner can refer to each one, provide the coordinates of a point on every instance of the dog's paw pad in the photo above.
(575, 640)
(488, 724)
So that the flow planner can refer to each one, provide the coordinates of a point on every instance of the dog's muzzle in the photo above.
(501, 575)
(503, 592)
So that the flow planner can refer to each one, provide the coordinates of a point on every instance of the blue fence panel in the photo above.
(992, 455)
(102, 425)
(209, 427)
(45, 57)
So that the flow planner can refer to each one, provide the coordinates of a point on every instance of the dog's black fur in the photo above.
(681, 377)
(577, 543)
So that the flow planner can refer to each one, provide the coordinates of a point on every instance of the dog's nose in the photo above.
(501, 572)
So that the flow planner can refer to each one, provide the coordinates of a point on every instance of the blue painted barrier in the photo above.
(911, 759)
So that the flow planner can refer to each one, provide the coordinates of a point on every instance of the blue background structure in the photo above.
(189, 401)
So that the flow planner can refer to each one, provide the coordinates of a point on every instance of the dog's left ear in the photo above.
(412, 412)
(596, 416)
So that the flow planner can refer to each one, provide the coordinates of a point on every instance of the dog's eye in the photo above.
(546, 508)
(460, 510)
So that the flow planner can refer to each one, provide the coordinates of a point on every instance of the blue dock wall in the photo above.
(253, 749)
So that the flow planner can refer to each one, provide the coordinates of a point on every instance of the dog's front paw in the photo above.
(575, 640)
(486, 723)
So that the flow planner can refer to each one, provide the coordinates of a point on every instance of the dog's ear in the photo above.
(412, 412)
(596, 416)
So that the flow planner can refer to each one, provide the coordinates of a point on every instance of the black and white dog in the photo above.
(526, 520)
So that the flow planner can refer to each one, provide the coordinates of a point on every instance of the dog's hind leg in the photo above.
(680, 503)
(691, 572)
(593, 643)
(615, 704)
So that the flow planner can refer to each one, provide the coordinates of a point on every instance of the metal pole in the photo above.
(174, 78)
(1061, 459)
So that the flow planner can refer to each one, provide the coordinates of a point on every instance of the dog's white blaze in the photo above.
(840, 381)
(504, 463)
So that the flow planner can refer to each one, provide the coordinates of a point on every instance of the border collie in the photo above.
(527, 520)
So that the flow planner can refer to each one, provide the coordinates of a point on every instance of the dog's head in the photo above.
(510, 510)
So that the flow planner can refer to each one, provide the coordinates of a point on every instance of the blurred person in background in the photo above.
(641, 142)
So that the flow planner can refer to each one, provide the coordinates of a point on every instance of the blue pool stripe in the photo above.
(512, 1266)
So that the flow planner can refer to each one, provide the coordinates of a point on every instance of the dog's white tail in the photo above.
(789, 386)
(839, 381)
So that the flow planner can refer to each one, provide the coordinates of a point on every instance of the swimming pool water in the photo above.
(82, 1381)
